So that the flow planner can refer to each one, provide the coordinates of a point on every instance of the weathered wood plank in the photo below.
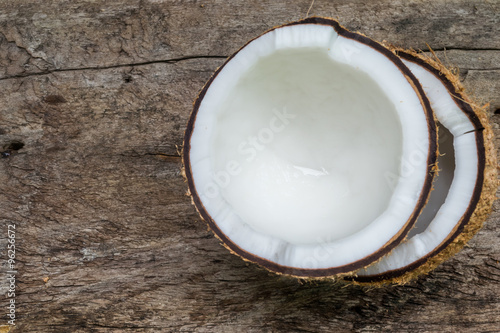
(59, 35)
(100, 94)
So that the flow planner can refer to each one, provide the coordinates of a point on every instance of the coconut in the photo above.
(464, 189)
(311, 151)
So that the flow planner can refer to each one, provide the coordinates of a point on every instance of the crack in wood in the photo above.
(135, 64)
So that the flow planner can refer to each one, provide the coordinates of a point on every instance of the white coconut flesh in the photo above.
(309, 149)
(453, 186)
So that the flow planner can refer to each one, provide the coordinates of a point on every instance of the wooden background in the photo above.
(93, 105)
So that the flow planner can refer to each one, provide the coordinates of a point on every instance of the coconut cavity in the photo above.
(311, 141)
(442, 182)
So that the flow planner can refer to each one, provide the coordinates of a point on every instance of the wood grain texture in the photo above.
(99, 95)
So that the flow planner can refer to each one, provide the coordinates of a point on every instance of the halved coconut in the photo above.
(464, 189)
(311, 151)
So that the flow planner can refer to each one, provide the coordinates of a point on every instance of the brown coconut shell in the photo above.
(332, 272)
